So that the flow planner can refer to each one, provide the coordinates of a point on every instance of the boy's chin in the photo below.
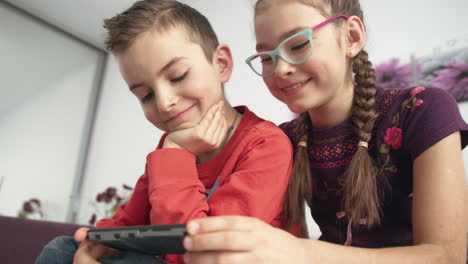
(182, 127)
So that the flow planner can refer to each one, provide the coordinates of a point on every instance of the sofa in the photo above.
(23, 239)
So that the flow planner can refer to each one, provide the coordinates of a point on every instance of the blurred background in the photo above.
(71, 132)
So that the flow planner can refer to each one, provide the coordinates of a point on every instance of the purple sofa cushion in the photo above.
(23, 239)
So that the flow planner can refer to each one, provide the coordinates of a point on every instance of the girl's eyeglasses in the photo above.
(295, 50)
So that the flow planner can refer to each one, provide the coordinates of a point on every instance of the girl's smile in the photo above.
(294, 88)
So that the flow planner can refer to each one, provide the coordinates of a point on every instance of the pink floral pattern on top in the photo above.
(411, 120)
(394, 135)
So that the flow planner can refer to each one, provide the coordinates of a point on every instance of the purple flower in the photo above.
(27, 207)
(392, 75)
(106, 198)
(36, 201)
(126, 187)
(111, 192)
(92, 220)
(453, 78)
(99, 197)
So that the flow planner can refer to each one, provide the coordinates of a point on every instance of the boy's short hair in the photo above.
(145, 15)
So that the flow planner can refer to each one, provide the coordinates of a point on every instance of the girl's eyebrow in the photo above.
(134, 86)
(283, 36)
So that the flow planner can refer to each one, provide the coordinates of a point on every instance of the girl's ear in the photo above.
(222, 60)
(355, 36)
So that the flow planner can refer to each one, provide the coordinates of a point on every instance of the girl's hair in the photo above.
(145, 15)
(361, 199)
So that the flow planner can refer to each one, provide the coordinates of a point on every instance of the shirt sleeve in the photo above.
(258, 185)
(431, 114)
(255, 188)
(135, 211)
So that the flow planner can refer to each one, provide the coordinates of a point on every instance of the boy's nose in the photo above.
(165, 100)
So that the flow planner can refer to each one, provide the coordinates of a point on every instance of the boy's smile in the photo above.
(171, 77)
(180, 115)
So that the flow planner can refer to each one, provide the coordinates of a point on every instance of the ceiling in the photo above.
(81, 18)
(23, 64)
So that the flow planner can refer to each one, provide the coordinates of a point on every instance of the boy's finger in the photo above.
(81, 233)
(206, 120)
(212, 126)
(98, 251)
(221, 132)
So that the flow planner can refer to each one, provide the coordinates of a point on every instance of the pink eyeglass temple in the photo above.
(328, 21)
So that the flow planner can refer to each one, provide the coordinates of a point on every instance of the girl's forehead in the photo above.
(275, 20)
(280, 14)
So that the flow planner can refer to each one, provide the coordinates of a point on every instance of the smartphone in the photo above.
(151, 239)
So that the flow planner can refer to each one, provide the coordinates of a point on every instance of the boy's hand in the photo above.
(206, 136)
(91, 252)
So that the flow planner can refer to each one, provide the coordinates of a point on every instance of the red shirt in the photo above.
(253, 169)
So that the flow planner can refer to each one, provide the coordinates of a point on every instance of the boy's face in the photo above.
(171, 77)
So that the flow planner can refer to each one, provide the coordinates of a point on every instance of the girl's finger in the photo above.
(220, 241)
(224, 223)
(217, 257)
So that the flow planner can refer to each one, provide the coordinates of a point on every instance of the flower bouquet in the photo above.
(106, 202)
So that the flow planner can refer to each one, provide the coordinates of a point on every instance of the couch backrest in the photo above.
(23, 239)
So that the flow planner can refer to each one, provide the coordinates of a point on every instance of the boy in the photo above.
(214, 159)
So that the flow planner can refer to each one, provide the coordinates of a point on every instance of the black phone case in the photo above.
(152, 239)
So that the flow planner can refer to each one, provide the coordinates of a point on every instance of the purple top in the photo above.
(411, 121)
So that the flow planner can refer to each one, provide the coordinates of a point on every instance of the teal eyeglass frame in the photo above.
(276, 52)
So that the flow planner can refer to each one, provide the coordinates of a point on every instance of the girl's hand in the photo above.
(206, 136)
(91, 252)
(240, 239)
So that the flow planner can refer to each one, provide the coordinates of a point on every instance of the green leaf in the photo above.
(384, 149)
(404, 104)
(396, 119)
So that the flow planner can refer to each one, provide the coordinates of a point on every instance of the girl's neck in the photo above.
(233, 119)
(335, 111)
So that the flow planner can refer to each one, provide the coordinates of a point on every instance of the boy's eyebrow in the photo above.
(163, 69)
(283, 36)
(170, 63)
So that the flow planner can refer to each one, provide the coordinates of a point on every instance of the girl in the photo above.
(381, 169)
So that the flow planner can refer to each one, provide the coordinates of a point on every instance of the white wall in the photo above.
(122, 138)
(46, 84)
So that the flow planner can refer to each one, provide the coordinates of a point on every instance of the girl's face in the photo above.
(320, 81)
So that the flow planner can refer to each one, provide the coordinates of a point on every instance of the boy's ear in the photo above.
(222, 59)
(355, 36)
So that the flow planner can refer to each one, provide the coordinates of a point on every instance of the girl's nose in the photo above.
(283, 68)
